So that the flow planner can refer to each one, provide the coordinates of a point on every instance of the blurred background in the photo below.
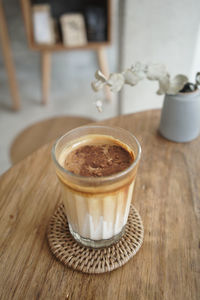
(54, 59)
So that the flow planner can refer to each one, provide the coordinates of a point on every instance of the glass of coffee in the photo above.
(96, 166)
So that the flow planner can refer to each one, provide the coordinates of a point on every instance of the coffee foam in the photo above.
(96, 156)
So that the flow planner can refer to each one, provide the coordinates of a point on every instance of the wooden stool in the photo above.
(41, 133)
(47, 50)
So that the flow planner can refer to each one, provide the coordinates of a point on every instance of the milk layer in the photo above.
(100, 216)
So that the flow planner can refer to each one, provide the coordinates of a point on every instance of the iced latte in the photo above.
(96, 166)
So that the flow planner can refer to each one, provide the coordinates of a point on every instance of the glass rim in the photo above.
(102, 178)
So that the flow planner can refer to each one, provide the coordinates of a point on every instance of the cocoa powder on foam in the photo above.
(99, 160)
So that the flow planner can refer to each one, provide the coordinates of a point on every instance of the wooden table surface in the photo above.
(167, 195)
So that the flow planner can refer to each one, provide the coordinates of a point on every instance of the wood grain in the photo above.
(167, 197)
(40, 133)
(46, 75)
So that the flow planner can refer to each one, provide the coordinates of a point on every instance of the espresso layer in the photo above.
(98, 160)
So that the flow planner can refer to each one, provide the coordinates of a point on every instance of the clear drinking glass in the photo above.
(97, 208)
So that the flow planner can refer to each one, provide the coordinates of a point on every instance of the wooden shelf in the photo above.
(27, 14)
(61, 47)
(46, 50)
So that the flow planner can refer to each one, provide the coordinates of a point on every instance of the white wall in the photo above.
(160, 32)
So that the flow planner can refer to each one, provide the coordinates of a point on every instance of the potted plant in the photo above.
(180, 116)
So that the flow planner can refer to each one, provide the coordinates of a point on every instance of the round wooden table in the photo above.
(166, 195)
(42, 132)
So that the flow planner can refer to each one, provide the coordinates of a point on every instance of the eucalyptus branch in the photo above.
(138, 72)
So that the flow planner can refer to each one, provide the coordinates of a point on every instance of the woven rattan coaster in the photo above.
(89, 260)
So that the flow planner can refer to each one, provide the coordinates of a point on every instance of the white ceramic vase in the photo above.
(180, 117)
